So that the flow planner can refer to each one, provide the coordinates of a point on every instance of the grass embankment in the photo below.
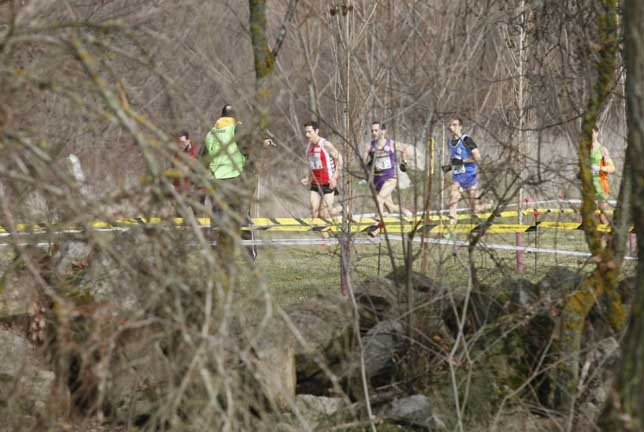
(293, 273)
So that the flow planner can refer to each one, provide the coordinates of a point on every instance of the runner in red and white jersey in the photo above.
(325, 165)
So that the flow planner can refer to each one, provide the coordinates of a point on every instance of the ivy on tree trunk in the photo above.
(603, 280)
(623, 411)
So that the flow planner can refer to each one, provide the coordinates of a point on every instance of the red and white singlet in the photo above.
(321, 164)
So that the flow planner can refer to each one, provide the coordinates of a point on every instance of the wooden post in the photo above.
(345, 235)
(428, 197)
(522, 147)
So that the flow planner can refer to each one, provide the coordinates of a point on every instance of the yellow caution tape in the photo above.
(291, 224)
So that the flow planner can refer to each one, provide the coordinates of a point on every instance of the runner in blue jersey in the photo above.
(464, 159)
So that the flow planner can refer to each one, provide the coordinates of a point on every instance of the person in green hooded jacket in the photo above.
(225, 161)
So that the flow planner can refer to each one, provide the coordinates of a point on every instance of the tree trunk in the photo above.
(251, 141)
(603, 280)
(264, 59)
(624, 409)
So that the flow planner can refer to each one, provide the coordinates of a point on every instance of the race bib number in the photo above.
(382, 163)
(315, 162)
(458, 169)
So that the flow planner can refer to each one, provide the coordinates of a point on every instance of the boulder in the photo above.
(378, 299)
(138, 378)
(627, 288)
(380, 347)
(385, 323)
(325, 330)
(18, 294)
(557, 282)
(70, 256)
(506, 353)
(536, 338)
(415, 410)
(275, 365)
(14, 352)
(19, 290)
(381, 344)
(518, 293)
(481, 309)
(123, 271)
(26, 385)
(522, 419)
(419, 281)
(313, 410)
(300, 352)
(597, 376)
(382, 299)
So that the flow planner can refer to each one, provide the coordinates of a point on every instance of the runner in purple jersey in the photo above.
(381, 154)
